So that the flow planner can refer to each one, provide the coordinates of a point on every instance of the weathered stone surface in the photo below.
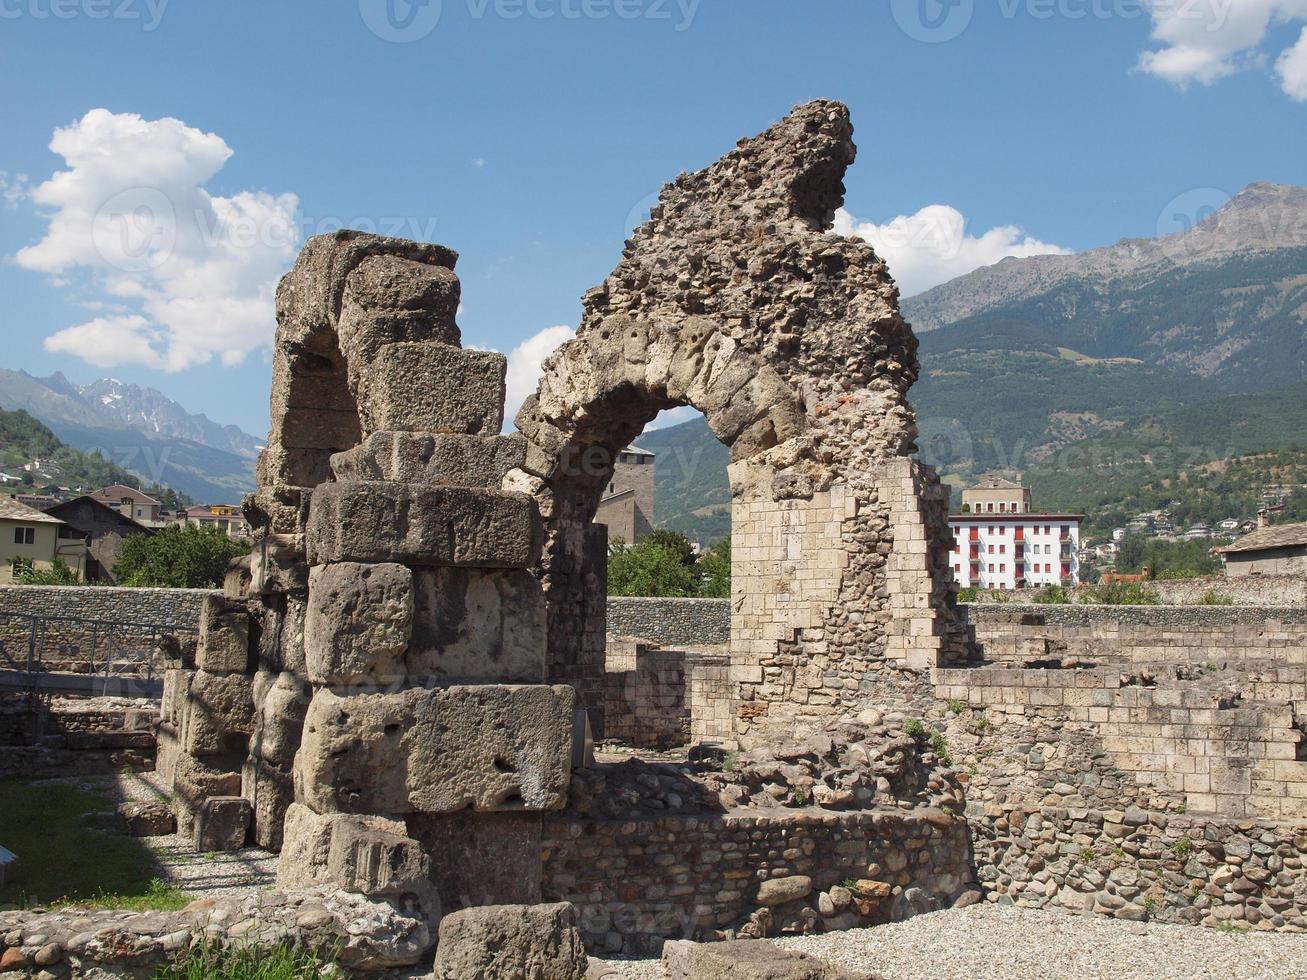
(147, 819)
(224, 646)
(493, 747)
(477, 625)
(389, 299)
(219, 716)
(747, 959)
(480, 858)
(359, 623)
(194, 782)
(511, 942)
(367, 855)
(278, 564)
(396, 522)
(431, 459)
(282, 701)
(110, 943)
(779, 891)
(433, 388)
(222, 823)
(271, 791)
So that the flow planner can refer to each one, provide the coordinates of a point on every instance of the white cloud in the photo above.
(13, 188)
(132, 216)
(1206, 40)
(932, 246)
(1292, 69)
(526, 364)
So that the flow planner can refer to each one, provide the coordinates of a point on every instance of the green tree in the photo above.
(177, 557)
(59, 573)
(715, 571)
(650, 569)
(673, 541)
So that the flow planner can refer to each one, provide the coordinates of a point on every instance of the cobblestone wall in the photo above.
(671, 622)
(165, 607)
(1242, 590)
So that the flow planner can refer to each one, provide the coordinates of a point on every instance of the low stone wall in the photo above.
(1009, 632)
(1137, 865)
(72, 738)
(671, 622)
(637, 882)
(154, 607)
(1183, 746)
(1243, 590)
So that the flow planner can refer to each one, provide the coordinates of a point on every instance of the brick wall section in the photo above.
(637, 882)
(645, 696)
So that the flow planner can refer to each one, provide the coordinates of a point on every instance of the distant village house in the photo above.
(999, 543)
(627, 506)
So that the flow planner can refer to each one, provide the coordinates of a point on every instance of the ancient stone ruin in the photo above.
(735, 299)
(388, 689)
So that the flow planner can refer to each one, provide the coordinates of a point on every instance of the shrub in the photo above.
(969, 594)
(1124, 594)
(1052, 595)
(1213, 598)
(177, 557)
(915, 728)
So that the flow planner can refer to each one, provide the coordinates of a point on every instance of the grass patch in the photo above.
(250, 962)
(64, 862)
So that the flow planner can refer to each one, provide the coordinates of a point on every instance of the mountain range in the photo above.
(1102, 378)
(141, 430)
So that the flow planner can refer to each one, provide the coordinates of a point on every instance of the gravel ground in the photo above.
(1007, 943)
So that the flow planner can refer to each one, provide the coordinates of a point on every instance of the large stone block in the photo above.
(492, 747)
(281, 702)
(222, 823)
(511, 941)
(278, 564)
(224, 636)
(281, 638)
(271, 791)
(366, 855)
(482, 858)
(359, 623)
(219, 716)
(474, 625)
(429, 387)
(384, 522)
(193, 782)
(388, 299)
(431, 459)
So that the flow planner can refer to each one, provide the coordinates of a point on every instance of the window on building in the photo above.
(1002, 507)
(24, 535)
(991, 508)
(991, 549)
(1048, 529)
(1002, 549)
(991, 569)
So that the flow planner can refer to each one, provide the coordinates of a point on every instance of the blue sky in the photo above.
(531, 136)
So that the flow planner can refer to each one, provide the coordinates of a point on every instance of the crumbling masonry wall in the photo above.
(735, 299)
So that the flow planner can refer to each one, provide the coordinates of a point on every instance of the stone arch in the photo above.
(734, 298)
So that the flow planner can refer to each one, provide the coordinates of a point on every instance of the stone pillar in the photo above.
(431, 745)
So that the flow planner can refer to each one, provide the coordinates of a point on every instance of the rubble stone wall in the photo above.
(155, 607)
(1241, 590)
(671, 622)
(637, 882)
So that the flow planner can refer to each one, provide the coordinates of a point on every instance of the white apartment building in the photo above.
(1014, 548)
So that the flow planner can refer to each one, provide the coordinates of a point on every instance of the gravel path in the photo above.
(1006, 943)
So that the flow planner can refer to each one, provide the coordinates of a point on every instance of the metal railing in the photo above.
(54, 654)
